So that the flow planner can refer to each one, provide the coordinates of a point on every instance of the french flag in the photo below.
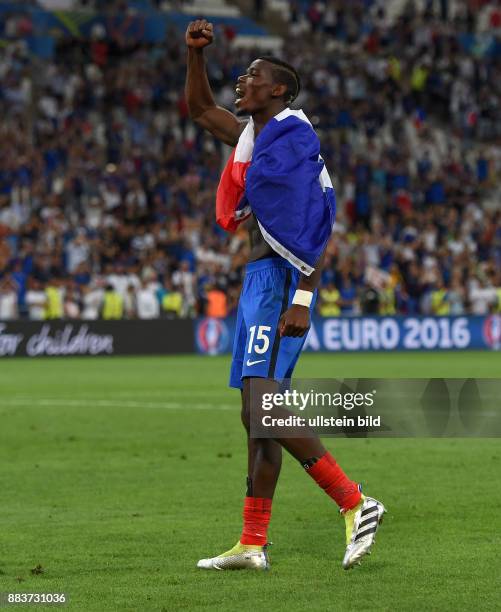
(281, 178)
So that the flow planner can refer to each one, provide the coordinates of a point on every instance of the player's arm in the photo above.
(203, 109)
(296, 320)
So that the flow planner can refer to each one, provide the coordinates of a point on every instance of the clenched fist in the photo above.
(199, 34)
(294, 322)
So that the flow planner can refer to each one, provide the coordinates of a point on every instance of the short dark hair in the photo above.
(285, 74)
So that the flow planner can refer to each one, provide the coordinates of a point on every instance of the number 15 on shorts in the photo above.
(259, 341)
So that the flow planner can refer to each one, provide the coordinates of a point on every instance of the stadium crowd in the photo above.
(107, 188)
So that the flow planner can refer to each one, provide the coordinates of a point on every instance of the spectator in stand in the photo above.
(456, 296)
(8, 299)
(72, 303)
(130, 303)
(217, 303)
(387, 299)
(147, 303)
(483, 296)
(440, 302)
(36, 300)
(54, 293)
(92, 302)
(329, 304)
(77, 251)
(348, 295)
(171, 301)
(113, 304)
(184, 280)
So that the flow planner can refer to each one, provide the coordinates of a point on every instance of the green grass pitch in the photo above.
(118, 474)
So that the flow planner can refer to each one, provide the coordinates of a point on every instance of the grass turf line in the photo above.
(116, 480)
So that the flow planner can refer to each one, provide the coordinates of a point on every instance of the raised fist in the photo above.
(199, 34)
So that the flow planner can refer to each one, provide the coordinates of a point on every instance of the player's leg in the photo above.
(263, 468)
(261, 301)
(362, 514)
(308, 450)
(264, 462)
(264, 465)
(264, 456)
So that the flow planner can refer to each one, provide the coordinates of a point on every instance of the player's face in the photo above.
(255, 88)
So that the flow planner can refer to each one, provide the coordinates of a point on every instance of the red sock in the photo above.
(328, 475)
(257, 514)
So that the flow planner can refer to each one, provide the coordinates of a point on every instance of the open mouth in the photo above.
(240, 93)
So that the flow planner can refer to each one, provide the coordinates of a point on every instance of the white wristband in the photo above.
(302, 298)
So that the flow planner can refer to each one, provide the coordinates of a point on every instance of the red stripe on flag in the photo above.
(229, 193)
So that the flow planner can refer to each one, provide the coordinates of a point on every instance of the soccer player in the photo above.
(291, 199)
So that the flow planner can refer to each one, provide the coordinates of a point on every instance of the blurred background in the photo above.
(107, 189)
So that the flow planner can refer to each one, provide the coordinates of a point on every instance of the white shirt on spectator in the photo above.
(91, 304)
(138, 196)
(119, 282)
(481, 298)
(112, 198)
(143, 242)
(94, 216)
(133, 279)
(77, 253)
(14, 215)
(184, 279)
(8, 305)
(147, 304)
(35, 300)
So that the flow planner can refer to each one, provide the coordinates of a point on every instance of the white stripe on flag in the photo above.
(302, 266)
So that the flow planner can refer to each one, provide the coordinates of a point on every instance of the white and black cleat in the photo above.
(239, 558)
(366, 523)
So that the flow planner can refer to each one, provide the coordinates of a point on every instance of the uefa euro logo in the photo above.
(212, 336)
(492, 331)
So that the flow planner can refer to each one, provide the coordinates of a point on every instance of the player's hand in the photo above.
(295, 321)
(199, 34)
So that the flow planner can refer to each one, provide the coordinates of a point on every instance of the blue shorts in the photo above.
(258, 350)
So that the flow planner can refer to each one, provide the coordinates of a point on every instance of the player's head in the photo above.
(267, 80)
